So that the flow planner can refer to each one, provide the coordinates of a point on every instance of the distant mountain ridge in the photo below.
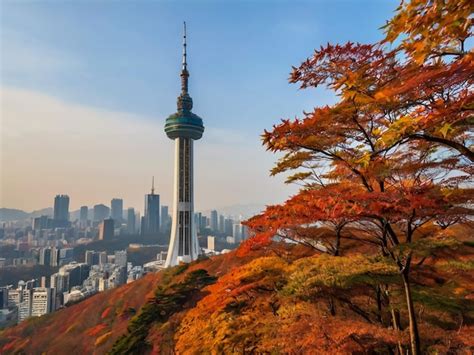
(12, 214)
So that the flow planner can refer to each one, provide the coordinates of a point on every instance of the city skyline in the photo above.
(69, 127)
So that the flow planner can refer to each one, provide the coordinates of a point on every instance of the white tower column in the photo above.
(183, 242)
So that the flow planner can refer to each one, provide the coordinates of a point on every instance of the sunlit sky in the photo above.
(87, 85)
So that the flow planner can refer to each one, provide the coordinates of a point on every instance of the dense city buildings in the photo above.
(69, 277)
(183, 127)
(73, 282)
(116, 208)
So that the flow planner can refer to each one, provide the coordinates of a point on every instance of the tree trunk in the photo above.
(378, 297)
(338, 241)
(396, 325)
(414, 335)
(331, 306)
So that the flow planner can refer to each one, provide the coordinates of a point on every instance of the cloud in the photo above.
(50, 146)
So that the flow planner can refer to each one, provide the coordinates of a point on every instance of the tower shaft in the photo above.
(183, 242)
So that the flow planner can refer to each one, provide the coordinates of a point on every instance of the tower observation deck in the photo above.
(184, 127)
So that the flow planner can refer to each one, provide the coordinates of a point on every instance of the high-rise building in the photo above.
(165, 217)
(211, 243)
(101, 212)
(131, 220)
(221, 224)
(89, 258)
(95, 257)
(14, 297)
(61, 210)
(42, 222)
(45, 256)
(24, 308)
(203, 223)
(152, 212)
(55, 256)
(119, 276)
(116, 207)
(102, 258)
(106, 229)
(214, 221)
(184, 127)
(76, 273)
(236, 232)
(228, 229)
(66, 255)
(42, 301)
(197, 221)
(45, 282)
(84, 214)
(3, 297)
(60, 282)
(121, 258)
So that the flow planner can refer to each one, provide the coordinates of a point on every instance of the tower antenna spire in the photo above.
(152, 185)
(184, 47)
(184, 70)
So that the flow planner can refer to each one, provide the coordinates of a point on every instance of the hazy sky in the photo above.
(87, 85)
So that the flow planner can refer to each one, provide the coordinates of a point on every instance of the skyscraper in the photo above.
(24, 308)
(236, 232)
(131, 220)
(221, 224)
(101, 212)
(228, 226)
(152, 212)
(42, 301)
(55, 256)
(61, 210)
(116, 207)
(121, 258)
(106, 229)
(164, 224)
(214, 221)
(83, 216)
(45, 256)
(183, 127)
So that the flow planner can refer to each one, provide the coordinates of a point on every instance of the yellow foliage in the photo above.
(100, 340)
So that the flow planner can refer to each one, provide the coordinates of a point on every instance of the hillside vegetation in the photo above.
(279, 299)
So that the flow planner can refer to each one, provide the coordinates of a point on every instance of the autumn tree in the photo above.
(394, 155)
